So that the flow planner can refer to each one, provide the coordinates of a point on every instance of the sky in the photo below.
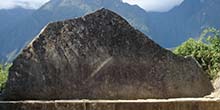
(28, 4)
(155, 5)
(148, 5)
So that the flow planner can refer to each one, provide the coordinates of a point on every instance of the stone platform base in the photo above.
(151, 104)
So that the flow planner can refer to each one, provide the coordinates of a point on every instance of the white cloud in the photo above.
(155, 5)
(148, 5)
(29, 4)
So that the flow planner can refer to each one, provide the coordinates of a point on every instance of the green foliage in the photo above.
(206, 51)
(3, 75)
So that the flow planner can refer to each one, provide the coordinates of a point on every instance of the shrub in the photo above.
(4, 75)
(206, 51)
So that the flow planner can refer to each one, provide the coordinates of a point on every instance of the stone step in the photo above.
(151, 104)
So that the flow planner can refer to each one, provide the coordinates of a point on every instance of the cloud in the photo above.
(155, 5)
(148, 5)
(28, 4)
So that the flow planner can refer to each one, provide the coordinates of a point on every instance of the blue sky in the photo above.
(148, 5)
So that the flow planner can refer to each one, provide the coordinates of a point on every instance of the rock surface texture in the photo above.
(100, 56)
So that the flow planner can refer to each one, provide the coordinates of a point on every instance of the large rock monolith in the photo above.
(100, 56)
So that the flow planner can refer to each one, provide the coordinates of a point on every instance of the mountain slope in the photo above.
(9, 19)
(187, 20)
(12, 16)
(66, 9)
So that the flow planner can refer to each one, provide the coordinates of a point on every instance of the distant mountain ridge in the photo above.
(172, 28)
(55, 10)
(8, 20)
(169, 29)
